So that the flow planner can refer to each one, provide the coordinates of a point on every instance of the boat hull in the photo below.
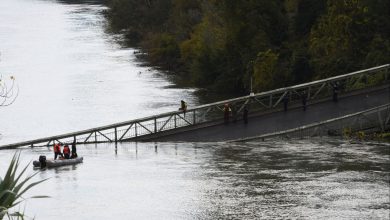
(58, 163)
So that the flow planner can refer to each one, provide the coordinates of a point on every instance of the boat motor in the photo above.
(42, 161)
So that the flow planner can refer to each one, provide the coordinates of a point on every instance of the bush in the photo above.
(12, 187)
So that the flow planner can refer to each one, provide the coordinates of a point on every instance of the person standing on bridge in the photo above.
(245, 114)
(285, 102)
(57, 151)
(183, 107)
(304, 100)
(226, 113)
(335, 91)
(234, 113)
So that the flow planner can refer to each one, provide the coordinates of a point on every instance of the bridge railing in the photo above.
(373, 120)
(213, 113)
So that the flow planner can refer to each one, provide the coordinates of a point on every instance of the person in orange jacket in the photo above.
(66, 152)
(57, 151)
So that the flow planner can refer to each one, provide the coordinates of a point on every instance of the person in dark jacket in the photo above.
(285, 102)
(245, 114)
(335, 91)
(74, 152)
(304, 100)
(183, 106)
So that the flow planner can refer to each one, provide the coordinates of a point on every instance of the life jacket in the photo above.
(66, 150)
(57, 148)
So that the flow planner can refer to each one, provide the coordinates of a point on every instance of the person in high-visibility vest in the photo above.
(57, 151)
(66, 152)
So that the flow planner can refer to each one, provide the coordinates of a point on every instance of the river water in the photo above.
(72, 75)
(298, 179)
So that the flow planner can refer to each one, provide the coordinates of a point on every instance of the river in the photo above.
(72, 75)
(295, 179)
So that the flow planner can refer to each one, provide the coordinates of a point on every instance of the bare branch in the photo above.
(9, 91)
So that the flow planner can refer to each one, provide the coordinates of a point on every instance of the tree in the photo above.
(264, 70)
(338, 43)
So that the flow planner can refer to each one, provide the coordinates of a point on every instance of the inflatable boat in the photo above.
(42, 162)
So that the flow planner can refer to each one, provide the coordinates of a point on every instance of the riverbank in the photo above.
(363, 136)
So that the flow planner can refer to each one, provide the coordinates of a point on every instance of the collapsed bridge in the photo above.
(359, 93)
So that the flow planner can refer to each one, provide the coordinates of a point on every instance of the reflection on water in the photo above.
(296, 179)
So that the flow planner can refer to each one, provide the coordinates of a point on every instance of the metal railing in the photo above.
(260, 102)
(372, 120)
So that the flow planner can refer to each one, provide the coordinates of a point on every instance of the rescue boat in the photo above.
(42, 162)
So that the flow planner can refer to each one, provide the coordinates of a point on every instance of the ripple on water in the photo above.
(267, 180)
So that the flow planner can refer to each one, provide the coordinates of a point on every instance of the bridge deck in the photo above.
(279, 121)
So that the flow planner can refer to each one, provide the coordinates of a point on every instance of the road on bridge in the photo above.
(279, 121)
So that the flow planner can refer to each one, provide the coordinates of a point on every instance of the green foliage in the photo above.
(307, 14)
(222, 44)
(136, 18)
(163, 49)
(264, 70)
(12, 187)
(340, 42)
(336, 41)
(378, 52)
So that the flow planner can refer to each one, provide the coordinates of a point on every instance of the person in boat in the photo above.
(57, 151)
(74, 153)
(66, 152)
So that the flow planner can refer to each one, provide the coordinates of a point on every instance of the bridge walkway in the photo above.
(279, 121)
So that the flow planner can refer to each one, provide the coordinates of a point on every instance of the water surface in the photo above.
(71, 74)
(319, 179)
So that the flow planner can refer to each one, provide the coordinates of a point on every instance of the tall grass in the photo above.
(12, 187)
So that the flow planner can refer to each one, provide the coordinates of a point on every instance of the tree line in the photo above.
(222, 45)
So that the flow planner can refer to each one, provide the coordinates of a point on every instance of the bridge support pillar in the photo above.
(116, 135)
(155, 125)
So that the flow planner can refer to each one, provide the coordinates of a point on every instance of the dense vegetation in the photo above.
(222, 44)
